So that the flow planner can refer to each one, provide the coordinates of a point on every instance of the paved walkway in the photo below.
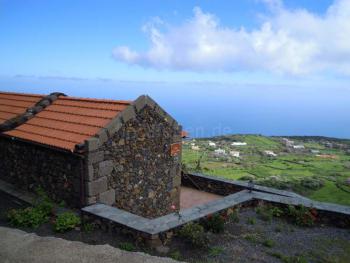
(190, 197)
(17, 246)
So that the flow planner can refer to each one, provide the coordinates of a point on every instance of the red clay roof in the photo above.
(13, 104)
(69, 121)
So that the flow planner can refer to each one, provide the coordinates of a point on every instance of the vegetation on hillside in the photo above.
(321, 170)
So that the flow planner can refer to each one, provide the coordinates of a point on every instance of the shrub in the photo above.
(234, 216)
(88, 227)
(127, 246)
(28, 217)
(302, 216)
(194, 233)
(251, 221)
(215, 223)
(269, 243)
(175, 255)
(215, 251)
(268, 212)
(66, 221)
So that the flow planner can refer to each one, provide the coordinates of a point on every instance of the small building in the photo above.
(219, 152)
(315, 151)
(195, 147)
(298, 147)
(235, 154)
(270, 153)
(212, 144)
(83, 151)
(239, 144)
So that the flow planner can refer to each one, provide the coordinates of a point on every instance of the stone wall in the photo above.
(133, 168)
(216, 185)
(30, 166)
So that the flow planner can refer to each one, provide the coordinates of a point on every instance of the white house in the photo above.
(239, 144)
(195, 148)
(234, 154)
(270, 153)
(315, 151)
(219, 152)
(298, 147)
(212, 144)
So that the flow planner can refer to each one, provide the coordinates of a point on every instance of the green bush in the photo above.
(176, 255)
(88, 227)
(214, 223)
(127, 246)
(267, 212)
(301, 215)
(194, 233)
(215, 251)
(66, 221)
(29, 217)
(269, 243)
(234, 216)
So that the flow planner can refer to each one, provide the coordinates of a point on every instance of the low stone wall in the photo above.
(211, 185)
(29, 166)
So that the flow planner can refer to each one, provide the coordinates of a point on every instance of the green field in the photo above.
(322, 179)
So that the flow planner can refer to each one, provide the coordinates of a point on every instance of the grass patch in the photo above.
(66, 221)
(215, 251)
(127, 246)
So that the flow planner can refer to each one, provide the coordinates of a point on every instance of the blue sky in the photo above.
(183, 52)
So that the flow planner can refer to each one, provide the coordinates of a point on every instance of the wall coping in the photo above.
(174, 220)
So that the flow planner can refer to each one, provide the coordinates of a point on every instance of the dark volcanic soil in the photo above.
(249, 240)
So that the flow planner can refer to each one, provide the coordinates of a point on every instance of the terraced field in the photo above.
(324, 178)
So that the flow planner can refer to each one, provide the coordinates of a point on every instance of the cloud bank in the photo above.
(287, 41)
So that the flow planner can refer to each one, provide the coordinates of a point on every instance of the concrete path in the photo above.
(17, 246)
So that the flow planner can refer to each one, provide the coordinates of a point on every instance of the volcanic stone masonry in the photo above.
(31, 166)
(134, 168)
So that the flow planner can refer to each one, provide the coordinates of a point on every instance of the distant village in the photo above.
(225, 149)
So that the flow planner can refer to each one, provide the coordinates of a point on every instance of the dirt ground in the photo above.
(249, 240)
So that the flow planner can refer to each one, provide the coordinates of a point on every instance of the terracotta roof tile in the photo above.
(13, 104)
(68, 121)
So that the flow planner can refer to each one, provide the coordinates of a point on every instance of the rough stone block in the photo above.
(128, 113)
(105, 168)
(102, 135)
(90, 173)
(91, 200)
(140, 103)
(107, 197)
(177, 181)
(150, 102)
(114, 126)
(92, 144)
(95, 157)
(97, 186)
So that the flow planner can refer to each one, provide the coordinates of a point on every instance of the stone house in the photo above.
(83, 151)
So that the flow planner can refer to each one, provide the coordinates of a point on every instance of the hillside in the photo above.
(317, 167)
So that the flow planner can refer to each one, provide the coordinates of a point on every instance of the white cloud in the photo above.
(287, 41)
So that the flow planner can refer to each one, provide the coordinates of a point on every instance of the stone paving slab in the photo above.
(340, 209)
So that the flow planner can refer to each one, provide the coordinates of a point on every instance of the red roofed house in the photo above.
(83, 151)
